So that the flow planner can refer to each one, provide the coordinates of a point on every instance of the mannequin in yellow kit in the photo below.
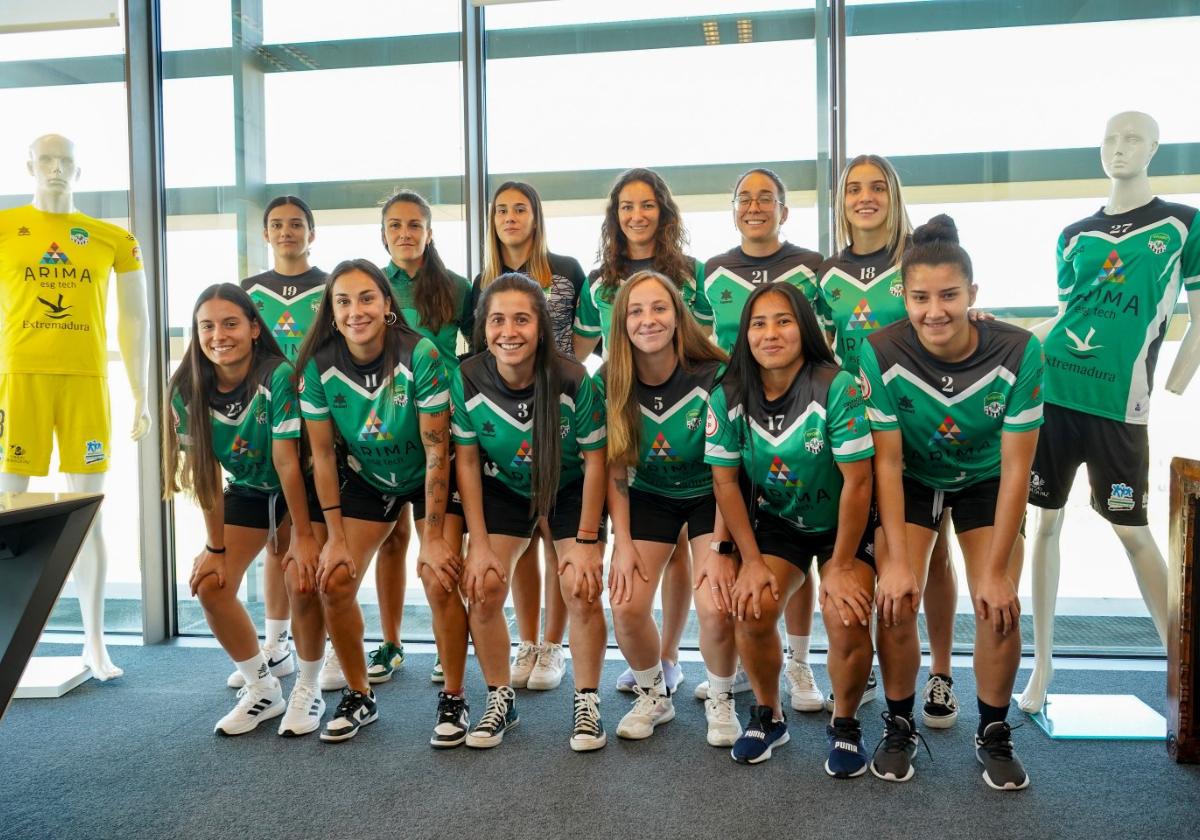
(54, 269)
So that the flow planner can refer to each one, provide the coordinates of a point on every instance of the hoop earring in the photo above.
(392, 322)
(333, 323)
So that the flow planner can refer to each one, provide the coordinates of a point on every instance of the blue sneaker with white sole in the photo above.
(762, 735)
(847, 756)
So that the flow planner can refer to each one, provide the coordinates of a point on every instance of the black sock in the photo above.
(990, 714)
(902, 708)
(492, 687)
(845, 723)
(586, 691)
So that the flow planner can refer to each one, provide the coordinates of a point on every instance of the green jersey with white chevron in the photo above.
(671, 450)
(376, 412)
(790, 447)
(729, 279)
(499, 420)
(951, 414)
(593, 313)
(445, 339)
(1118, 277)
(245, 421)
(287, 304)
(860, 293)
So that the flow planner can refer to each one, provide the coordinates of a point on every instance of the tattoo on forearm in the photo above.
(434, 436)
(622, 486)
(434, 462)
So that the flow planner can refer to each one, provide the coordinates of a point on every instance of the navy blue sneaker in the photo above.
(762, 734)
(847, 756)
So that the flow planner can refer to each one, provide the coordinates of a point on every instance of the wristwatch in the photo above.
(722, 546)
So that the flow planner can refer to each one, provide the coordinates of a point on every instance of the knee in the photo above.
(211, 594)
(846, 641)
(339, 589)
(495, 591)
(437, 596)
(767, 621)
(629, 612)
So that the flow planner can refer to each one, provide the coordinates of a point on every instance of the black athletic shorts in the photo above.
(1117, 456)
(507, 513)
(974, 506)
(659, 519)
(780, 538)
(249, 508)
(360, 500)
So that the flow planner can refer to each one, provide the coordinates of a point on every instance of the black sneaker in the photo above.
(355, 711)
(894, 754)
(1002, 770)
(588, 732)
(499, 716)
(868, 694)
(941, 706)
(453, 721)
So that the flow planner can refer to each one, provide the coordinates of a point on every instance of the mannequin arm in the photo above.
(131, 337)
(1043, 329)
(1189, 349)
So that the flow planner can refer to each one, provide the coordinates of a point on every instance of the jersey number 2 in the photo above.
(948, 384)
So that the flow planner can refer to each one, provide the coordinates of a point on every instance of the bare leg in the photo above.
(899, 646)
(941, 601)
(757, 639)
(589, 634)
(391, 576)
(527, 591)
(798, 615)
(850, 651)
(556, 607)
(637, 636)
(676, 597)
(489, 628)
(1046, 561)
(340, 600)
(997, 657)
(226, 614)
(308, 617)
(449, 612)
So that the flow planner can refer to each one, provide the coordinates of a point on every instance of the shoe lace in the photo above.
(587, 715)
(495, 712)
(720, 708)
(897, 736)
(449, 707)
(350, 701)
(546, 652)
(937, 691)
(800, 674)
(997, 740)
(645, 702)
(302, 696)
(525, 652)
(381, 655)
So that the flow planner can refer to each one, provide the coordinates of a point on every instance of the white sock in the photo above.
(719, 685)
(798, 647)
(254, 669)
(652, 679)
(277, 633)
(309, 671)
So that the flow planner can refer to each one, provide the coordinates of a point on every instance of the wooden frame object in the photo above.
(1183, 602)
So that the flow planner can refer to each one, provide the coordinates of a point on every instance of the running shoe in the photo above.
(332, 678)
(522, 663)
(1002, 770)
(649, 710)
(802, 685)
(548, 671)
(847, 756)
(761, 736)
(672, 676)
(279, 660)
(723, 726)
(868, 693)
(355, 711)
(453, 721)
(741, 684)
(304, 710)
(941, 706)
(894, 754)
(499, 716)
(256, 703)
(588, 731)
(437, 675)
(383, 661)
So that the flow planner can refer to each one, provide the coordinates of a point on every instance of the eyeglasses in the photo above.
(764, 201)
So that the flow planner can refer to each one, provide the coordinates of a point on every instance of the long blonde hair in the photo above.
(692, 347)
(898, 226)
(538, 266)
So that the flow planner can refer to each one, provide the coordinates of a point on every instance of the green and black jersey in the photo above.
(1118, 277)
(245, 421)
(951, 414)
(860, 293)
(375, 411)
(287, 304)
(445, 339)
(593, 314)
(790, 447)
(729, 279)
(671, 451)
(499, 420)
(567, 281)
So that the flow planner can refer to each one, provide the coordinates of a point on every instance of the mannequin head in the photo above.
(52, 165)
(1130, 141)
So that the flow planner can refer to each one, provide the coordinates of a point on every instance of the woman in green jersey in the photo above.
(759, 212)
(233, 407)
(375, 400)
(660, 370)
(643, 229)
(516, 242)
(956, 407)
(787, 425)
(436, 303)
(530, 441)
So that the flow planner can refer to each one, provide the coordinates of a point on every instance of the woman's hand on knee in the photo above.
(752, 579)
(626, 563)
(719, 573)
(303, 555)
(481, 561)
(441, 561)
(335, 555)
(207, 563)
(841, 590)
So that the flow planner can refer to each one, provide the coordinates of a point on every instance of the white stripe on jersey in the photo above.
(1026, 416)
(286, 426)
(859, 444)
(877, 416)
(309, 408)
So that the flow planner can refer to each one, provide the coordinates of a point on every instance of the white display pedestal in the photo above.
(51, 676)
(1099, 716)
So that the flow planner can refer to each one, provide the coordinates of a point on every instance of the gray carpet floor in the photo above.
(136, 758)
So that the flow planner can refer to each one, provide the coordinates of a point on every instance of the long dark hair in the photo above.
(669, 238)
(547, 385)
(432, 288)
(195, 381)
(538, 266)
(295, 201)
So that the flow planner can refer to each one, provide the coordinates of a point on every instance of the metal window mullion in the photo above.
(830, 40)
(475, 188)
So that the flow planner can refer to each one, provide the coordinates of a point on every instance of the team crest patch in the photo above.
(693, 420)
(897, 288)
(1121, 497)
(79, 236)
(814, 441)
(93, 452)
(1158, 242)
(400, 395)
(993, 404)
(564, 428)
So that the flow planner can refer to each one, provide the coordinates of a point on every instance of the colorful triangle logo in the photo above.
(1113, 270)
(285, 327)
(54, 256)
(524, 454)
(241, 448)
(948, 433)
(661, 450)
(374, 429)
(780, 474)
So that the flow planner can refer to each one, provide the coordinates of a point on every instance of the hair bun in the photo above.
(940, 228)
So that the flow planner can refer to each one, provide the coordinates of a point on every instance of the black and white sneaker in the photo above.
(868, 694)
(894, 754)
(355, 711)
(453, 721)
(588, 732)
(941, 706)
(1002, 770)
(499, 716)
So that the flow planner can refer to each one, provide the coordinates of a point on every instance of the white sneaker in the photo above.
(522, 663)
(548, 671)
(332, 678)
(279, 660)
(649, 710)
(304, 710)
(802, 685)
(256, 703)
(741, 684)
(723, 726)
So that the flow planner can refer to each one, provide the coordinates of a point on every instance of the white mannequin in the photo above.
(52, 164)
(1130, 141)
